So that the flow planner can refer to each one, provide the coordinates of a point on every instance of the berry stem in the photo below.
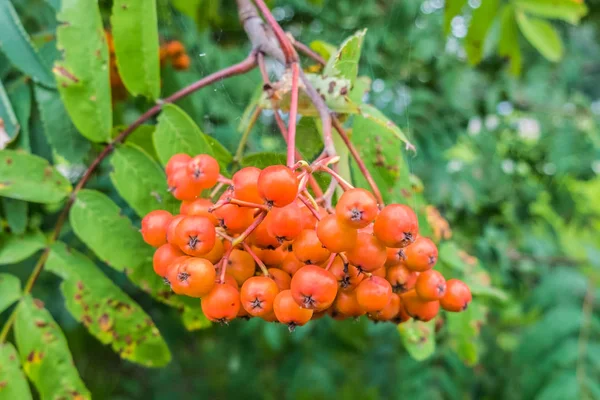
(237, 69)
(330, 261)
(310, 207)
(260, 218)
(216, 189)
(262, 266)
(224, 263)
(248, 204)
(343, 183)
(307, 51)
(291, 150)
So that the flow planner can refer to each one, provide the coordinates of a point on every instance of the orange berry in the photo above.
(431, 285)
(222, 304)
(421, 255)
(368, 254)
(289, 312)
(396, 225)
(154, 227)
(335, 236)
(356, 208)
(278, 185)
(458, 296)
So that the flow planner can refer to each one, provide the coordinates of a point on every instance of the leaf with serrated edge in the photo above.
(176, 133)
(98, 222)
(13, 384)
(140, 181)
(418, 338)
(135, 35)
(83, 74)
(105, 310)
(45, 354)
(344, 63)
(10, 291)
(28, 177)
(542, 35)
(17, 46)
(16, 248)
(62, 135)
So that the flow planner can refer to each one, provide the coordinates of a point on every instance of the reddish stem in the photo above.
(330, 261)
(224, 180)
(343, 183)
(284, 41)
(359, 161)
(224, 264)
(310, 207)
(262, 266)
(309, 52)
(260, 218)
(291, 150)
(248, 204)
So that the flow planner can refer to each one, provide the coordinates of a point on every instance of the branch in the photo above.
(286, 46)
(291, 150)
(236, 69)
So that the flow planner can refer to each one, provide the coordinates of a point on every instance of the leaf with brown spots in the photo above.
(13, 384)
(106, 311)
(44, 353)
(344, 63)
(418, 338)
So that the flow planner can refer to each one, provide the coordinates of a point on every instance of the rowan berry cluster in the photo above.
(266, 249)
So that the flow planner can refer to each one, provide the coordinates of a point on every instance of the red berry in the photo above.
(281, 278)
(285, 223)
(182, 186)
(335, 236)
(401, 278)
(395, 256)
(431, 285)
(177, 161)
(195, 235)
(234, 219)
(289, 312)
(154, 227)
(390, 311)
(421, 255)
(261, 237)
(346, 280)
(278, 185)
(347, 304)
(222, 304)
(198, 207)
(257, 295)
(240, 265)
(418, 308)
(458, 296)
(368, 254)
(313, 287)
(171, 228)
(291, 264)
(271, 258)
(396, 225)
(194, 277)
(163, 257)
(216, 253)
(373, 294)
(204, 170)
(245, 185)
(308, 249)
(356, 208)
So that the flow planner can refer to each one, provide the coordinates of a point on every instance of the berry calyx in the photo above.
(356, 208)
(313, 287)
(257, 295)
(288, 312)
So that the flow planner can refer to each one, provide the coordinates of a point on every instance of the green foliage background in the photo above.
(512, 162)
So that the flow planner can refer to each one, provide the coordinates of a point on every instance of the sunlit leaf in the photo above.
(10, 291)
(344, 63)
(16, 214)
(44, 353)
(567, 10)
(542, 35)
(105, 310)
(28, 177)
(83, 74)
(135, 35)
(13, 384)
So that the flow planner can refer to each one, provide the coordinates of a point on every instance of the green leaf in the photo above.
(263, 160)
(221, 154)
(140, 137)
(418, 338)
(83, 73)
(344, 63)
(9, 125)
(105, 310)
(16, 214)
(28, 177)
(177, 133)
(19, 95)
(17, 46)
(135, 34)
(481, 21)
(324, 49)
(566, 10)
(361, 86)
(542, 35)
(464, 330)
(140, 181)
(508, 45)
(449, 255)
(45, 355)
(10, 291)
(374, 115)
(13, 384)
(62, 135)
(98, 222)
(451, 10)
(309, 140)
(16, 248)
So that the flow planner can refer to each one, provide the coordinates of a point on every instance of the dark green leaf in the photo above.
(509, 39)
(418, 338)
(19, 95)
(83, 73)
(142, 137)
(17, 46)
(177, 133)
(221, 154)
(464, 329)
(566, 10)
(309, 140)
(16, 214)
(345, 61)
(542, 35)
(28, 177)
(9, 125)
(98, 222)
(16, 248)
(10, 291)
(44, 353)
(13, 384)
(62, 135)
(140, 181)
(135, 34)
(262, 160)
(481, 21)
(105, 310)
(451, 9)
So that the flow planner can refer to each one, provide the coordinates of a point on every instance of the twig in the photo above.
(240, 239)
(304, 49)
(262, 266)
(291, 149)
(224, 264)
(284, 41)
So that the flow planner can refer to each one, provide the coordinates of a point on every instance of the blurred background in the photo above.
(512, 163)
